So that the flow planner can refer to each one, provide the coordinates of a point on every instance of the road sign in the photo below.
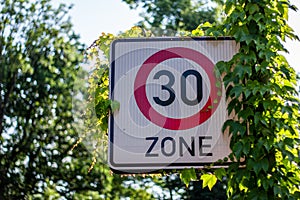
(172, 104)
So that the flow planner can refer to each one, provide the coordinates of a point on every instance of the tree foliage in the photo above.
(179, 15)
(39, 63)
(40, 60)
(261, 93)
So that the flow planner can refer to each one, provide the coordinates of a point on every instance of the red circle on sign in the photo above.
(175, 123)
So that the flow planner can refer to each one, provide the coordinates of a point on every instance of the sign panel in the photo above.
(172, 103)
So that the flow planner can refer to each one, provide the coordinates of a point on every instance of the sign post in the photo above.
(172, 104)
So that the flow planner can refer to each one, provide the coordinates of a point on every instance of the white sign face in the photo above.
(172, 103)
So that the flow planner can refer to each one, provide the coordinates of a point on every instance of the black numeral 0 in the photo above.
(168, 87)
(199, 87)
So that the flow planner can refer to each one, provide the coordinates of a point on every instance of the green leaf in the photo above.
(208, 180)
(253, 8)
(265, 183)
(277, 190)
(258, 16)
(206, 24)
(236, 91)
(237, 150)
(265, 164)
(220, 173)
(229, 7)
(234, 127)
(188, 175)
(256, 168)
(240, 32)
(283, 9)
(246, 147)
(114, 105)
(246, 113)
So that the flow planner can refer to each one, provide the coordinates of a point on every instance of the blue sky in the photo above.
(92, 17)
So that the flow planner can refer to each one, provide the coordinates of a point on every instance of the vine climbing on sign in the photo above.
(261, 93)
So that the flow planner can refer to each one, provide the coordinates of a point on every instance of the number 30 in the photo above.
(168, 87)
